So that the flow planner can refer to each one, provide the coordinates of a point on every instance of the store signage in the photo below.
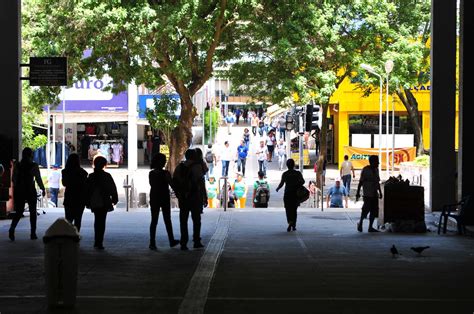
(88, 95)
(48, 71)
(147, 102)
(360, 156)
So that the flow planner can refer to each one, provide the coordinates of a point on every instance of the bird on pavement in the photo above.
(419, 249)
(394, 251)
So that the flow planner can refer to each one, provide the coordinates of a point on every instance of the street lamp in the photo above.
(371, 70)
(388, 68)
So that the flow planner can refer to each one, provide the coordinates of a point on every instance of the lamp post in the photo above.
(388, 68)
(371, 70)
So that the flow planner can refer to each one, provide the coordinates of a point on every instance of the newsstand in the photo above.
(403, 206)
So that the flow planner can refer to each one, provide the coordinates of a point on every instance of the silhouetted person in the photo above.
(186, 179)
(25, 173)
(74, 180)
(160, 180)
(102, 196)
(370, 181)
(292, 180)
(200, 162)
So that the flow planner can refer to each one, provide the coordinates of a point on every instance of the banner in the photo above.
(360, 156)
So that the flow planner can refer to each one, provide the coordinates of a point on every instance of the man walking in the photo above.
(370, 181)
(345, 173)
(242, 152)
(262, 153)
(226, 156)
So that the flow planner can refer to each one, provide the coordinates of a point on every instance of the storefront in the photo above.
(95, 122)
(354, 120)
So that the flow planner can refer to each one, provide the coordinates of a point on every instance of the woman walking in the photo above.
(160, 181)
(25, 173)
(292, 180)
(102, 196)
(74, 180)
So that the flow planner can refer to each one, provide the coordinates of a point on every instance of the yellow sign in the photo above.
(296, 157)
(360, 156)
(164, 149)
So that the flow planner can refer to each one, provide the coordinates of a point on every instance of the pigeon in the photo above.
(419, 249)
(394, 251)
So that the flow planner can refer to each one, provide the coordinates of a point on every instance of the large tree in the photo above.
(310, 48)
(307, 49)
(143, 41)
(404, 38)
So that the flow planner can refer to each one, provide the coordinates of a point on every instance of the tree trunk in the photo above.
(411, 105)
(323, 146)
(181, 136)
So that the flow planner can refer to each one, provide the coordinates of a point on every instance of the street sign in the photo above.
(48, 71)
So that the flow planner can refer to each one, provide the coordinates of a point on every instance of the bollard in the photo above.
(61, 263)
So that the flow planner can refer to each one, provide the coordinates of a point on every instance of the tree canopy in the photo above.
(143, 41)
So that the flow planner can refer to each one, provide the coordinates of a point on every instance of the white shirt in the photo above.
(227, 153)
(262, 153)
(346, 168)
(54, 179)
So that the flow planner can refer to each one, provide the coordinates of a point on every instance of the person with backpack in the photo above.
(25, 173)
(101, 198)
(211, 160)
(292, 180)
(261, 192)
(186, 182)
(160, 181)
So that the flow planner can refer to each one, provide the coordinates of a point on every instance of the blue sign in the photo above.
(146, 101)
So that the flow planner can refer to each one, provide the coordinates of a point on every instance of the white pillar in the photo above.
(132, 127)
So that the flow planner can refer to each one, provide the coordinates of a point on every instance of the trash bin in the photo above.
(61, 263)
(142, 200)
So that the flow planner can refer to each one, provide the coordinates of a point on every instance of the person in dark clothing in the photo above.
(186, 184)
(370, 182)
(101, 198)
(25, 173)
(160, 180)
(292, 179)
(205, 169)
(74, 180)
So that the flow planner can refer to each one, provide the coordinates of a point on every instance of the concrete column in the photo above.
(466, 108)
(10, 87)
(443, 102)
(132, 127)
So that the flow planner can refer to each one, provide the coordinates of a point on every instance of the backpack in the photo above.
(262, 194)
(209, 157)
(181, 181)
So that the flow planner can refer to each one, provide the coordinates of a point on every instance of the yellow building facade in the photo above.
(349, 102)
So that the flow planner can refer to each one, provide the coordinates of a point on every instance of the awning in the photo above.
(275, 110)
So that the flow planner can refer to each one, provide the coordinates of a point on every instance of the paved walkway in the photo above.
(250, 265)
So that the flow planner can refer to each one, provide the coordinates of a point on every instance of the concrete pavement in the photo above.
(250, 265)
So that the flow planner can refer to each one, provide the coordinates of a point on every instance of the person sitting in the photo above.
(335, 195)
(212, 192)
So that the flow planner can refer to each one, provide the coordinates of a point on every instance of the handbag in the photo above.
(302, 194)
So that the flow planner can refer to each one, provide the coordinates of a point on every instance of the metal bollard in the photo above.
(127, 187)
(61, 263)
(226, 191)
